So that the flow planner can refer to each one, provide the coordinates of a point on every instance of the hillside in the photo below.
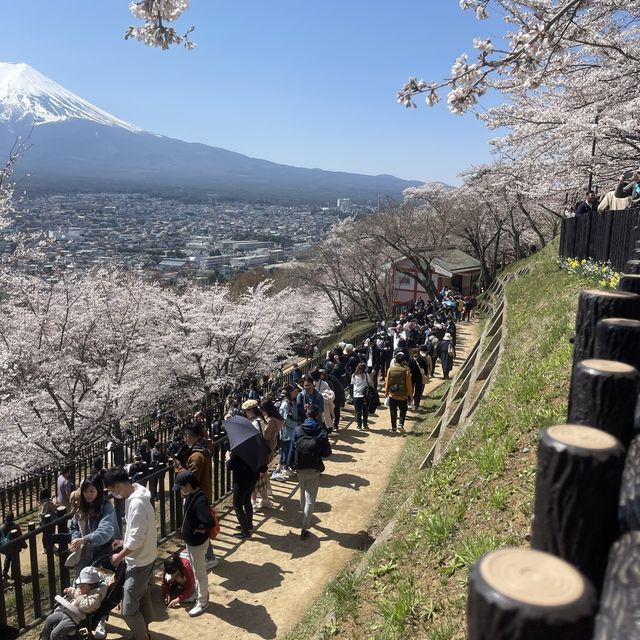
(480, 496)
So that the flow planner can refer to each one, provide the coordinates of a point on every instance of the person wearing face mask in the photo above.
(139, 550)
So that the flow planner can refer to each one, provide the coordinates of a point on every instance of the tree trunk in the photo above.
(618, 615)
(521, 594)
(594, 305)
(534, 226)
(603, 395)
(576, 499)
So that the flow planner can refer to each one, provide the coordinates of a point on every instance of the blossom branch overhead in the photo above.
(156, 14)
(546, 33)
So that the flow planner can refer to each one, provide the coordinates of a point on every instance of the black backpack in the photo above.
(308, 453)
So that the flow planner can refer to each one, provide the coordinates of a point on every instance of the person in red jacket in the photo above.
(178, 582)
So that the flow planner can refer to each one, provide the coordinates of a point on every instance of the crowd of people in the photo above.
(292, 422)
(625, 195)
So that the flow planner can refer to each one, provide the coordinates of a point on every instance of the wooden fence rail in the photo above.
(581, 578)
(612, 237)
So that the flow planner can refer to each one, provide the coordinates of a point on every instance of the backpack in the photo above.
(398, 380)
(215, 530)
(307, 454)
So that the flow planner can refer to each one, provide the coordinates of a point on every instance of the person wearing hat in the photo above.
(447, 354)
(253, 412)
(86, 596)
(139, 550)
(197, 459)
(195, 530)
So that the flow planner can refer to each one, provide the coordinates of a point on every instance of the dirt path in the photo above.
(263, 586)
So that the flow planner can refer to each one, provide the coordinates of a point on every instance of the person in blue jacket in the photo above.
(94, 525)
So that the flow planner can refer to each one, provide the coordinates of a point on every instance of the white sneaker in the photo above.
(198, 609)
(267, 504)
(212, 564)
(100, 633)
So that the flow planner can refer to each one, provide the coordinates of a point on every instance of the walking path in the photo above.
(263, 586)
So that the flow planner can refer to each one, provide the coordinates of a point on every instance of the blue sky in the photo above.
(304, 83)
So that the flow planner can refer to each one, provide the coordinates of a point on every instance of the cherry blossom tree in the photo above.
(156, 14)
(77, 356)
(546, 39)
(215, 340)
(346, 267)
(412, 234)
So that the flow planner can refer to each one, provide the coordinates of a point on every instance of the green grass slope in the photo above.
(480, 496)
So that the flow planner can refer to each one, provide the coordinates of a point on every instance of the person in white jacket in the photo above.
(139, 550)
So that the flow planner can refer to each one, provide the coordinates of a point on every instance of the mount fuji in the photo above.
(76, 146)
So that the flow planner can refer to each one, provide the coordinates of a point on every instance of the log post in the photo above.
(618, 339)
(576, 498)
(629, 282)
(522, 594)
(603, 394)
(633, 266)
(629, 507)
(594, 305)
(617, 618)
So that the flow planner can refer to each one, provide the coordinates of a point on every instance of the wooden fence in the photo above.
(581, 577)
(612, 237)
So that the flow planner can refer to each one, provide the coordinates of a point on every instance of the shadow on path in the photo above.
(349, 480)
(359, 541)
(253, 618)
(245, 576)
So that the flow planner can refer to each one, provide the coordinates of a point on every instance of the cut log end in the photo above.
(608, 366)
(532, 577)
(599, 293)
(627, 323)
(522, 594)
(582, 437)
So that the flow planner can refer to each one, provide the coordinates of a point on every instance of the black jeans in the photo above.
(394, 405)
(337, 408)
(362, 412)
(242, 506)
(418, 388)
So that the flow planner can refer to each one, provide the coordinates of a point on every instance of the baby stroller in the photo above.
(114, 578)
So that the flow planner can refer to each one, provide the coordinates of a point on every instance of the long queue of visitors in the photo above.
(278, 437)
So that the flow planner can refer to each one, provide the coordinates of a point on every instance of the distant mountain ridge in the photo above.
(78, 146)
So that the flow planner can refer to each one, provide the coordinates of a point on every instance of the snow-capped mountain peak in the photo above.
(25, 94)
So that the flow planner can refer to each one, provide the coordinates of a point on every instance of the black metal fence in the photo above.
(38, 572)
(604, 237)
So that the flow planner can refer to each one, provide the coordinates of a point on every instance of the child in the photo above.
(85, 597)
(178, 582)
